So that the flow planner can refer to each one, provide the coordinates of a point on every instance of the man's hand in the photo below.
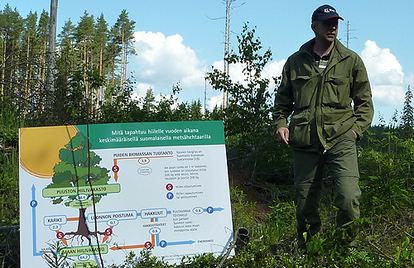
(282, 135)
(356, 135)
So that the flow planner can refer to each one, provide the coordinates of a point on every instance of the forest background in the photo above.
(91, 85)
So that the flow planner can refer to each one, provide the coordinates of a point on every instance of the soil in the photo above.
(255, 193)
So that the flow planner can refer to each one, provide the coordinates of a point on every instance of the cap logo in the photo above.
(325, 12)
(329, 10)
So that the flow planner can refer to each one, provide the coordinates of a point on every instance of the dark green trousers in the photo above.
(341, 161)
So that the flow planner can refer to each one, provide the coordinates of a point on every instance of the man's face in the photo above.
(326, 30)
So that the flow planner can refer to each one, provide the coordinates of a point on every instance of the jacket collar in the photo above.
(338, 53)
(338, 50)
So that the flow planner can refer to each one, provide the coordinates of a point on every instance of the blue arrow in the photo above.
(33, 204)
(157, 239)
(33, 192)
(211, 209)
(188, 242)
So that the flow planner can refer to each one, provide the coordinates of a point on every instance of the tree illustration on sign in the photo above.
(78, 171)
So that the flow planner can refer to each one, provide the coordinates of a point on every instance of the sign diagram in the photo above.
(101, 191)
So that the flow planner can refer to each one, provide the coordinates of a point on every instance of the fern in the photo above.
(357, 256)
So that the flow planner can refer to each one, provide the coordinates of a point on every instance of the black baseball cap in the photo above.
(325, 12)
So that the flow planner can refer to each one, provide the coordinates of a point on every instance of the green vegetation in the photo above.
(90, 87)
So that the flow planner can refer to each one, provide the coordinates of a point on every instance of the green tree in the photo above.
(393, 124)
(164, 111)
(66, 62)
(28, 53)
(111, 55)
(124, 28)
(181, 112)
(196, 113)
(43, 35)
(149, 104)
(11, 25)
(101, 37)
(84, 37)
(216, 114)
(79, 167)
(123, 108)
(248, 117)
(407, 118)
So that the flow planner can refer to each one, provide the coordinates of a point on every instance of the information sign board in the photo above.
(162, 186)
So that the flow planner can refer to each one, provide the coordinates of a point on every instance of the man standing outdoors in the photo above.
(322, 107)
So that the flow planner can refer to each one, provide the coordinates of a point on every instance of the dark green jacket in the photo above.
(323, 105)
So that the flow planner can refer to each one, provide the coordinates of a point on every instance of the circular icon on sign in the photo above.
(108, 231)
(60, 235)
(169, 187)
(163, 243)
(33, 203)
(115, 168)
(210, 210)
(170, 195)
(148, 244)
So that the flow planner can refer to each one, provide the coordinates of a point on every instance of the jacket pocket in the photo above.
(337, 122)
(337, 91)
(303, 90)
(300, 130)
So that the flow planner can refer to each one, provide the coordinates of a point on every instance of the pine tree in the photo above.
(43, 35)
(101, 39)
(11, 25)
(84, 37)
(28, 52)
(149, 101)
(66, 62)
(125, 30)
(407, 118)
(394, 119)
(196, 113)
(112, 53)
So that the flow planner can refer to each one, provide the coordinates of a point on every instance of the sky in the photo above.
(180, 40)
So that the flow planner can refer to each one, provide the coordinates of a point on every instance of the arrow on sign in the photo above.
(188, 242)
(33, 204)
